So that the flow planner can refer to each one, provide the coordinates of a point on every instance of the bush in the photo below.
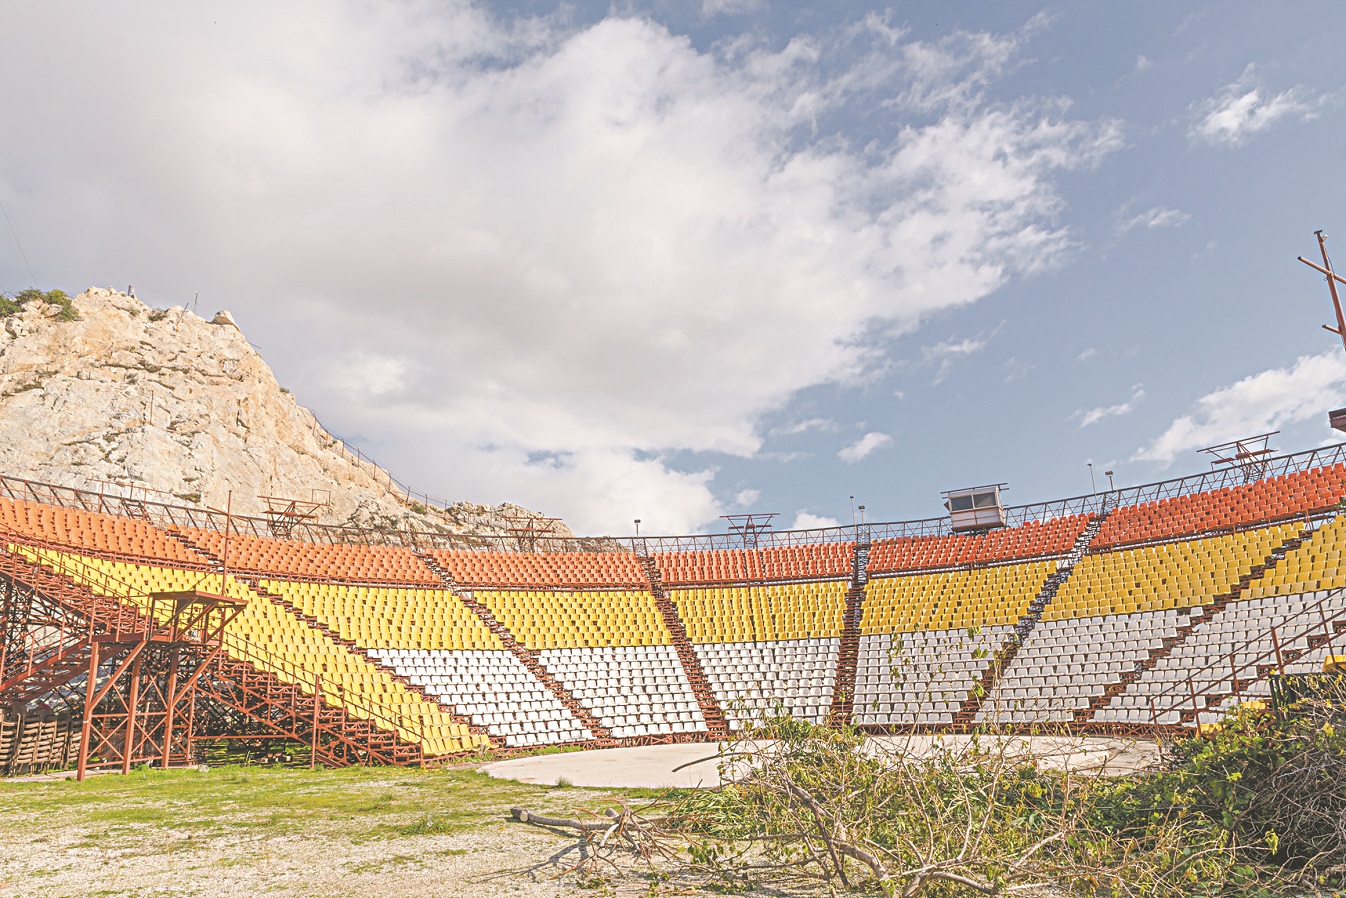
(58, 298)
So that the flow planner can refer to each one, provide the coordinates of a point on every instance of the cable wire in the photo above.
(22, 254)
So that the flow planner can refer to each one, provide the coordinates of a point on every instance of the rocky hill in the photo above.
(102, 388)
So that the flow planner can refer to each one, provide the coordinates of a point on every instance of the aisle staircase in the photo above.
(848, 656)
(711, 712)
(529, 658)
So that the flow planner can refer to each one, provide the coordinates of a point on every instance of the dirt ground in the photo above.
(234, 832)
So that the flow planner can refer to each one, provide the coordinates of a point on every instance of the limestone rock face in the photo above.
(166, 400)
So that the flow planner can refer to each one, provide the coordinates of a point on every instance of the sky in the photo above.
(673, 261)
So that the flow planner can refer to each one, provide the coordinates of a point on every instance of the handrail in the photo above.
(167, 516)
(76, 569)
(1187, 695)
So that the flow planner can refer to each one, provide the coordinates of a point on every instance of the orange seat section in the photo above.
(1035, 539)
(1227, 508)
(543, 570)
(340, 562)
(92, 533)
(816, 561)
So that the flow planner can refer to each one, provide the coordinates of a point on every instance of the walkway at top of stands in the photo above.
(169, 516)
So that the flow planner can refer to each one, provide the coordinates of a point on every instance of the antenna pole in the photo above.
(1332, 278)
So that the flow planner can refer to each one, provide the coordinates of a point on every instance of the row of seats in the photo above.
(260, 556)
(1164, 575)
(754, 681)
(1064, 664)
(542, 570)
(491, 688)
(780, 611)
(632, 690)
(388, 617)
(1275, 498)
(94, 534)
(566, 619)
(1035, 539)
(921, 677)
(819, 561)
(271, 638)
(952, 600)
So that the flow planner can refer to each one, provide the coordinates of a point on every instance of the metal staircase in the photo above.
(848, 656)
(711, 712)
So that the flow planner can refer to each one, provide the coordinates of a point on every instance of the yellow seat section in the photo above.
(568, 619)
(953, 600)
(762, 613)
(1165, 575)
(1315, 565)
(271, 638)
(389, 617)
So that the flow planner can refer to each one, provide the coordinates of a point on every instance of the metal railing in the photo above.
(168, 517)
(1312, 621)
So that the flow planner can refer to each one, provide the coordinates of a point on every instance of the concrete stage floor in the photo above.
(654, 766)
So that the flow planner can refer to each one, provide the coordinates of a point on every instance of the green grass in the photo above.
(359, 803)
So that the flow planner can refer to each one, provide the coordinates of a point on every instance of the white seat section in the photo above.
(491, 688)
(1241, 629)
(922, 677)
(632, 690)
(1064, 664)
(754, 680)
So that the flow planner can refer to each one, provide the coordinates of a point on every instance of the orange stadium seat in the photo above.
(543, 570)
(819, 561)
(96, 534)
(1035, 539)
(1228, 508)
(287, 559)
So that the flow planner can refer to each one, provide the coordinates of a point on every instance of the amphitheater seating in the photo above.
(1273, 499)
(952, 600)
(821, 561)
(768, 648)
(491, 688)
(1164, 575)
(1314, 566)
(1064, 664)
(338, 562)
(1035, 539)
(782, 611)
(91, 533)
(755, 680)
(921, 678)
(611, 649)
(1241, 630)
(633, 690)
(273, 639)
(388, 616)
(542, 570)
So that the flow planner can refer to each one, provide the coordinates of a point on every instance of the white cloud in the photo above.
(1087, 354)
(798, 427)
(1157, 217)
(710, 8)
(1143, 62)
(747, 498)
(592, 241)
(807, 521)
(1099, 413)
(1245, 107)
(944, 353)
(864, 446)
(1258, 403)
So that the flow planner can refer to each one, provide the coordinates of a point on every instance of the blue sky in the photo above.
(671, 261)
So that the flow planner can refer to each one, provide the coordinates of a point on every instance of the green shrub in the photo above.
(57, 298)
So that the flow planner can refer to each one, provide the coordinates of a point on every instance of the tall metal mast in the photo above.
(1332, 279)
